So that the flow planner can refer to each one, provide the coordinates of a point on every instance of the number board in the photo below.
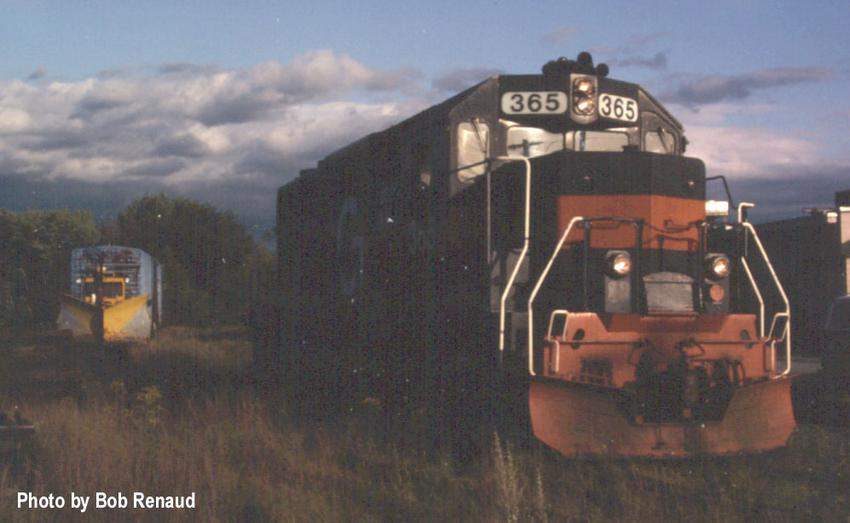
(616, 107)
(534, 102)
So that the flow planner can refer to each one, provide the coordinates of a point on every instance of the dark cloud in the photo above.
(253, 203)
(459, 79)
(186, 68)
(39, 73)
(264, 160)
(156, 168)
(790, 191)
(95, 103)
(184, 145)
(559, 35)
(105, 199)
(57, 139)
(239, 108)
(252, 199)
(712, 89)
(656, 62)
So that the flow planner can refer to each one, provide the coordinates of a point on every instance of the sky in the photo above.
(102, 102)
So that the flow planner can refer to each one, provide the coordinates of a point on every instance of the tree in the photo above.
(35, 249)
(210, 261)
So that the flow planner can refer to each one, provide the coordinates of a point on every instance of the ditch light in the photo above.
(716, 208)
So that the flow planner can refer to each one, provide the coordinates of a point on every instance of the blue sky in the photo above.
(223, 101)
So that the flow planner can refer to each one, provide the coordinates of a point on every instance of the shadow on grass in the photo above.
(180, 415)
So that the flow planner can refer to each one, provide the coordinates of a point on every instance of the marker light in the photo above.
(583, 98)
(619, 264)
(718, 267)
(583, 86)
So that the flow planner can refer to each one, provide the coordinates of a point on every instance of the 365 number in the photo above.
(618, 107)
(534, 102)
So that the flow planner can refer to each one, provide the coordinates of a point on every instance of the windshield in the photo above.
(529, 142)
(600, 141)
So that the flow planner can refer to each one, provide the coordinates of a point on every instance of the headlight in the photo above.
(619, 264)
(585, 106)
(718, 267)
(583, 94)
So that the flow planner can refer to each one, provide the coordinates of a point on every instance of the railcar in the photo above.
(536, 249)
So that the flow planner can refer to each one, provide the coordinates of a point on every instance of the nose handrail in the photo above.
(786, 331)
(537, 286)
(526, 233)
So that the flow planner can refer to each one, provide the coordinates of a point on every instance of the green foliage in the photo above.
(214, 270)
(35, 248)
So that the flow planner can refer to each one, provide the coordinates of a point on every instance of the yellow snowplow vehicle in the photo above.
(115, 295)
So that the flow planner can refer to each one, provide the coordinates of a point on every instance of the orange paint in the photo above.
(668, 221)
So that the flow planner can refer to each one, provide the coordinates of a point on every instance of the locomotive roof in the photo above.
(435, 113)
(554, 70)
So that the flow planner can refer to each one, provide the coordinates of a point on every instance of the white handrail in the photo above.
(537, 286)
(741, 207)
(555, 313)
(526, 234)
(787, 313)
(757, 292)
(557, 346)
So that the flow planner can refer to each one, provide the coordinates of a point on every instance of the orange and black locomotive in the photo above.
(537, 247)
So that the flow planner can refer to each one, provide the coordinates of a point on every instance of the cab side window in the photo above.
(473, 147)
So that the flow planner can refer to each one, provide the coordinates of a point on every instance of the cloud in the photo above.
(229, 136)
(781, 172)
(559, 35)
(108, 127)
(183, 144)
(715, 88)
(633, 52)
(39, 73)
(185, 68)
(157, 168)
(657, 62)
(786, 194)
(749, 152)
(457, 80)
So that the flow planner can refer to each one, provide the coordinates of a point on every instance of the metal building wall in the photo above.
(842, 202)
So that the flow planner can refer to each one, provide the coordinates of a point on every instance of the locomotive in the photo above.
(536, 250)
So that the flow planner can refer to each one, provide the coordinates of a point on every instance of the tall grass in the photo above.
(180, 416)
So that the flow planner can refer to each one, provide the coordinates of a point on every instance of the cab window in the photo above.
(659, 141)
(532, 141)
(600, 141)
(473, 145)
